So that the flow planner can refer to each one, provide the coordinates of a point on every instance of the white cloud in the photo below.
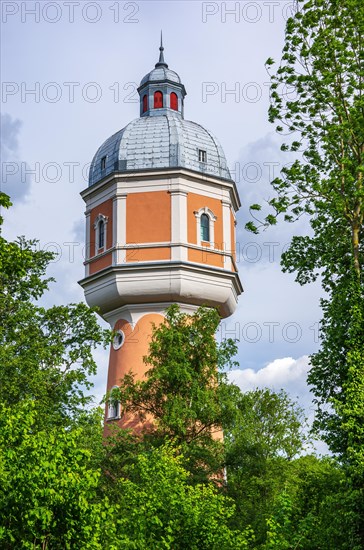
(281, 373)
(285, 373)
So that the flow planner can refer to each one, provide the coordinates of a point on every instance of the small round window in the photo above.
(118, 339)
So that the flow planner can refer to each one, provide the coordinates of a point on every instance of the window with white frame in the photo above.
(205, 221)
(100, 227)
(101, 233)
(202, 155)
(205, 228)
(118, 340)
(113, 410)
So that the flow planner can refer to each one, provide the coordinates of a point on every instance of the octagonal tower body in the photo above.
(160, 224)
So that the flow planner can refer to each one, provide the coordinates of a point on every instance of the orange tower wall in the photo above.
(130, 357)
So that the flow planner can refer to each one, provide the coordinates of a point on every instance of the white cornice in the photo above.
(157, 179)
(185, 282)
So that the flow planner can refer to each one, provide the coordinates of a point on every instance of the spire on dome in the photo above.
(161, 62)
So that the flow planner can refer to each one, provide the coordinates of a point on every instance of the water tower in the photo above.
(160, 224)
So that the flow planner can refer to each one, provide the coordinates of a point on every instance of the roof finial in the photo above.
(161, 62)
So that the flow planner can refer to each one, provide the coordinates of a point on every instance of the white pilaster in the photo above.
(179, 225)
(87, 243)
(226, 227)
(119, 228)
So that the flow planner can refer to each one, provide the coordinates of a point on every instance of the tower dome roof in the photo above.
(160, 138)
(161, 73)
(158, 142)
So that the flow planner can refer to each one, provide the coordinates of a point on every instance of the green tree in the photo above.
(184, 390)
(50, 498)
(159, 508)
(266, 422)
(48, 486)
(315, 509)
(45, 354)
(323, 66)
(268, 431)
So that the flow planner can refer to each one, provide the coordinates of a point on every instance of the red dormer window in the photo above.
(174, 101)
(158, 100)
(145, 103)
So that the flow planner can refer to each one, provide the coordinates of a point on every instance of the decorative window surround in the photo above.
(118, 340)
(104, 219)
(212, 219)
(113, 409)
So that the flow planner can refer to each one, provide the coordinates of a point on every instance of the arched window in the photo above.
(205, 228)
(113, 410)
(158, 100)
(100, 227)
(174, 101)
(101, 235)
(145, 103)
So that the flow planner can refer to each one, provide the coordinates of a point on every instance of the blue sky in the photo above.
(84, 61)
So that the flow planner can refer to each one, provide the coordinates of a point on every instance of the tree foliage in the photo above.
(47, 485)
(269, 422)
(45, 354)
(323, 115)
(184, 391)
(323, 111)
(316, 508)
(160, 508)
(317, 99)
(50, 498)
(267, 432)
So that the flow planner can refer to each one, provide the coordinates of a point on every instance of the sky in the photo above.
(69, 74)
